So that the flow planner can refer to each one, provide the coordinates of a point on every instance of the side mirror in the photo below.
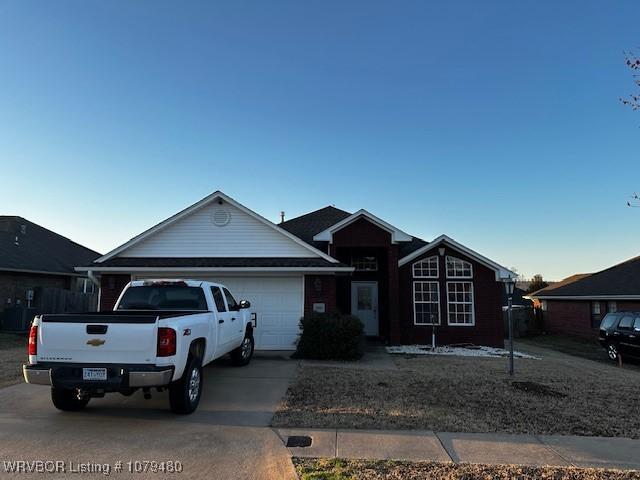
(245, 303)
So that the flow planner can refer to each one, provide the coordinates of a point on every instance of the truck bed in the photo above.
(117, 316)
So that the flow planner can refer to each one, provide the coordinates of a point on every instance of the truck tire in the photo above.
(66, 399)
(184, 394)
(241, 356)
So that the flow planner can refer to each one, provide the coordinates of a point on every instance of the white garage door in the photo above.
(278, 303)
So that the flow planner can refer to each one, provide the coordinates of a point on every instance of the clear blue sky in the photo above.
(495, 122)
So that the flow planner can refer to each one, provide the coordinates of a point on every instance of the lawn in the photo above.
(13, 353)
(558, 394)
(589, 349)
(336, 469)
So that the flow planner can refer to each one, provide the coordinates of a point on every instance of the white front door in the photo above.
(364, 305)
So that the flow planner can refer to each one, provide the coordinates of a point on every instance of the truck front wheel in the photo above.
(184, 394)
(242, 355)
(67, 400)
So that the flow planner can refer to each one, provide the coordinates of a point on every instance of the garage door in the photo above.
(278, 303)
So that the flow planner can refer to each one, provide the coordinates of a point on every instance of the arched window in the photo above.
(457, 268)
(427, 268)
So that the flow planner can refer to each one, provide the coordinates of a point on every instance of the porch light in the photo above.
(509, 285)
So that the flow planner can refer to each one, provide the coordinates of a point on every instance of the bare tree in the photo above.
(633, 62)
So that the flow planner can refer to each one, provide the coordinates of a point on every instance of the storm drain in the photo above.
(299, 441)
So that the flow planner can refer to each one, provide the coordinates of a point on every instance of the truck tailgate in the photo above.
(98, 338)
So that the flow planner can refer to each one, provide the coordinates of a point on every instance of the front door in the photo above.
(364, 305)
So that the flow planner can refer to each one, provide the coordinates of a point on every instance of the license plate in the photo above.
(94, 373)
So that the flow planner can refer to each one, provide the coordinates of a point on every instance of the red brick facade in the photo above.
(487, 295)
(573, 317)
(111, 286)
(319, 289)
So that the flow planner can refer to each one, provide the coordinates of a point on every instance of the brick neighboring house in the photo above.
(325, 261)
(577, 304)
(32, 257)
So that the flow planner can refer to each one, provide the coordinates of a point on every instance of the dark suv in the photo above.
(620, 334)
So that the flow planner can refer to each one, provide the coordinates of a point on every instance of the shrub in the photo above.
(330, 336)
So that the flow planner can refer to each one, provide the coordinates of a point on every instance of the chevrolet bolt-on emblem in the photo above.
(95, 342)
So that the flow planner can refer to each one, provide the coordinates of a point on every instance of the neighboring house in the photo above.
(577, 304)
(325, 261)
(32, 257)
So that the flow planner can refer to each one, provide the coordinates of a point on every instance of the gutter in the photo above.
(93, 278)
(219, 269)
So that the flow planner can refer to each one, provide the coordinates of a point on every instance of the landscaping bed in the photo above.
(337, 469)
(557, 394)
(13, 353)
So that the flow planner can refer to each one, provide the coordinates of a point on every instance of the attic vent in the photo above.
(221, 217)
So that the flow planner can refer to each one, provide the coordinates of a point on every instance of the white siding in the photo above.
(197, 236)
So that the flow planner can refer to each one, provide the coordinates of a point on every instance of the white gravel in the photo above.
(456, 351)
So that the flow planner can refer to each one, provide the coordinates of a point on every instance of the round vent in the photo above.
(221, 217)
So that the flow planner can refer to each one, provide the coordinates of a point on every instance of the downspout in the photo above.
(96, 282)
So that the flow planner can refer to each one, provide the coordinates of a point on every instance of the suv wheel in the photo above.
(184, 394)
(612, 351)
(66, 399)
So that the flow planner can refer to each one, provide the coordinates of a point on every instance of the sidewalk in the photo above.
(486, 448)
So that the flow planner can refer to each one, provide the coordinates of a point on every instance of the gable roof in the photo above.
(28, 247)
(309, 224)
(218, 195)
(502, 273)
(397, 235)
(561, 283)
(621, 281)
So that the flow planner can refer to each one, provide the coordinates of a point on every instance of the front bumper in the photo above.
(119, 377)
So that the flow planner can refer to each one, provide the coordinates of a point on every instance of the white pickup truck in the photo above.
(160, 334)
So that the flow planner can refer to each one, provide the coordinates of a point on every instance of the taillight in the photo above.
(166, 342)
(33, 340)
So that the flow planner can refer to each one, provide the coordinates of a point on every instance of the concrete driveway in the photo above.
(225, 438)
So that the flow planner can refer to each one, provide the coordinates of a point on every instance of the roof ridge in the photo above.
(314, 212)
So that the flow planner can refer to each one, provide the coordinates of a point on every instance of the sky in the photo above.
(497, 123)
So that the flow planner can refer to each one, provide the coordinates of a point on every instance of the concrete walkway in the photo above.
(487, 448)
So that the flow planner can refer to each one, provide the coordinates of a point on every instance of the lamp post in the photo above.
(509, 285)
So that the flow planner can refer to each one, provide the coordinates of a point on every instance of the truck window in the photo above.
(233, 305)
(163, 297)
(217, 297)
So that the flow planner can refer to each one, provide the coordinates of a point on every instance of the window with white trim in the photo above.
(364, 263)
(460, 303)
(426, 303)
(427, 268)
(457, 268)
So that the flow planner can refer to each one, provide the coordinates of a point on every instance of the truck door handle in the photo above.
(233, 318)
(220, 321)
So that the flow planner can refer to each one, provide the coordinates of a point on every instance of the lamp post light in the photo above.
(509, 285)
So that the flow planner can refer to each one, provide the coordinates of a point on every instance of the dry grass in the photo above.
(320, 469)
(13, 353)
(577, 397)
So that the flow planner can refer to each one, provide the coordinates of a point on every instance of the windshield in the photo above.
(608, 321)
(163, 297)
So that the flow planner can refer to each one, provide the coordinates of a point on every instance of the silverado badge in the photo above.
(95, 342)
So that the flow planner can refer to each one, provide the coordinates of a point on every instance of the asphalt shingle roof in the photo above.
(217, 262)
(25, 245)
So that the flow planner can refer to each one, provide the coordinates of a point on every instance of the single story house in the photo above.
(329, 260)
(577, 304)
(33, 258)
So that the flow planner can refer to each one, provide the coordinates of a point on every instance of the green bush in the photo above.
(330, 336)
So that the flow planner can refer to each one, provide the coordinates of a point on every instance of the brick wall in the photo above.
(487, 292)
(573, 317)
(111, 286)
(14, 286)
(319, 289)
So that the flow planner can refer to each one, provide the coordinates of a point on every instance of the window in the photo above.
(231, 302)
(163, 297)
(595, 314)
(543, 305)
(219, 299)
(626, 322)
(608, 321)
(457, 268)
(367, 263)
(460, 303)
(427, 268)
(612, 307)
(595, 308)
(426, 303)
(636, 324)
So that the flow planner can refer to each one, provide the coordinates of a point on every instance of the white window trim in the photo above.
(446, 270)
(473, 306)
(415, 322)
(413, 268)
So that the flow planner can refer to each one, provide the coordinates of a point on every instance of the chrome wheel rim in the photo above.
(194, 385)
(246, 348)
(613, 352)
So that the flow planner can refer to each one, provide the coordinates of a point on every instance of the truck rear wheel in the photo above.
(241, 356)
(184, 394)
(66, 399)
